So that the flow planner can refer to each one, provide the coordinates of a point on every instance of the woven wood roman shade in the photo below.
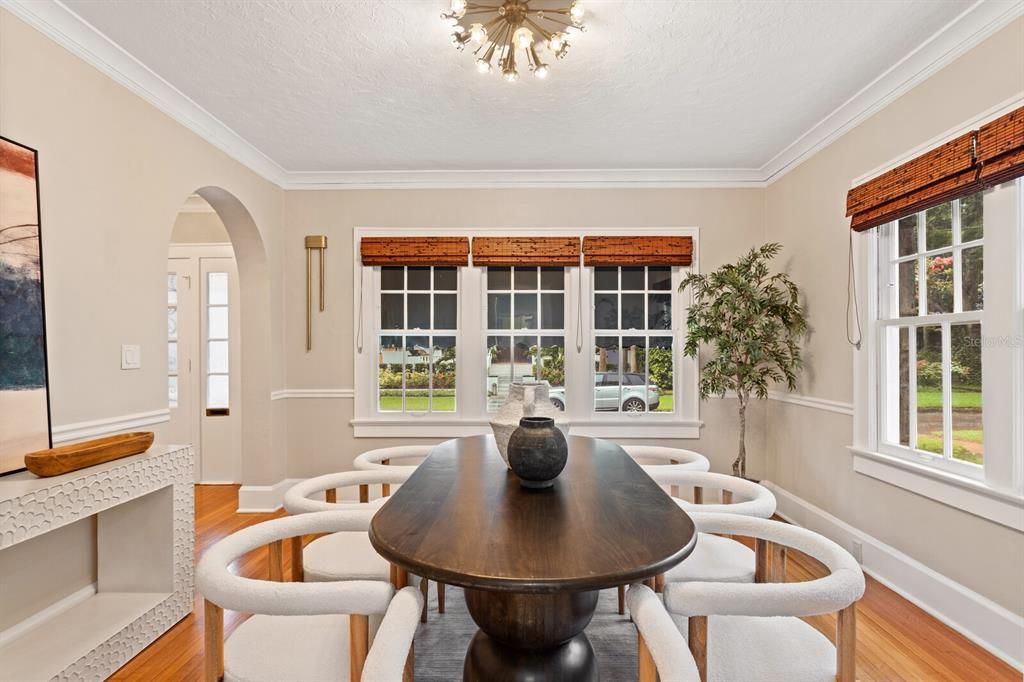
(543, 251)
(414, 250)
(647, 250)
(1001, 148)
(967, 164)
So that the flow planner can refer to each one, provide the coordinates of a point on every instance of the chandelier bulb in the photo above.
(541, 71)
(556, 41)
(576, 11)
(477, 33)
(523, 38)
(458, 7)
(483, 66)
(510, 75)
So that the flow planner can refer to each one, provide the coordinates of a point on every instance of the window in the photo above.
(945, 341)
(633, 339)
(217, 362)
(436, 348)
(416, 366)
(525, 331)
(172, 339)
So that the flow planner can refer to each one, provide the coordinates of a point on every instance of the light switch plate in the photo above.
(131, 356)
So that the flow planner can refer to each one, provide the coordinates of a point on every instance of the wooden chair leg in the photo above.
(213, 624)
(726, 497)
(648, 671)
(697, 635)
(649, 582)
(298, 574)
(698, 495)
(622, 600)
(762, 553)
(673, 490)
(409, 674)
(425, 590)
(393, 575)
(401, 578)
(276, 559)
(359, 644)
(778, 563)
(440, 597)
(331, 495)
(846, 644)
(385, 488)
(364, 493)
(659, 583)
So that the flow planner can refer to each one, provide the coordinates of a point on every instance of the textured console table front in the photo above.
(31, 506)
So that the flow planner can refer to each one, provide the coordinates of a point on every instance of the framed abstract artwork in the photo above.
(24, 388)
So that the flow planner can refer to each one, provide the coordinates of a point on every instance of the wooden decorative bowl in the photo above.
(68, 458)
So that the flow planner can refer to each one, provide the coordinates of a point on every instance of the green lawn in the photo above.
(931, 398)
(666, 403)
(418, 401)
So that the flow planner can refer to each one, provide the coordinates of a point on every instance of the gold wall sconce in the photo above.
(318, 243)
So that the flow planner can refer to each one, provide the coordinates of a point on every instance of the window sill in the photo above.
(433, 427)
(974, 497)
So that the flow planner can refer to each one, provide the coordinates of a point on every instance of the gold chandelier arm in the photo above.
(540, 29)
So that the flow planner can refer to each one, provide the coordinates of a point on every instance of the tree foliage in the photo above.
(753, 322)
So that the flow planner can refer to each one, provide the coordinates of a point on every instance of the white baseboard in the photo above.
(253, 499)
(977, 617)
(111, 425)
(21, 627)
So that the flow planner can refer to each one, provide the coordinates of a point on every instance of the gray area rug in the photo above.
(442, 641)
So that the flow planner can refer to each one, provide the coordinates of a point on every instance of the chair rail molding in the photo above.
(63, 26)
(811, 402)
(107, 426)
(990, 625)
(306, 393)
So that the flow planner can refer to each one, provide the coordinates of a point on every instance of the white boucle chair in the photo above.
(722, 559)
(346, 556)
(656, 652)
(754, 632)
(669, 460)
(383, 458)
(303, 632)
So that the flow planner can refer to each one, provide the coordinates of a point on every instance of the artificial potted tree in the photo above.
(752, 320)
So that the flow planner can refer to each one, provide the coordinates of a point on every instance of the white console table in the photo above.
(145, 534)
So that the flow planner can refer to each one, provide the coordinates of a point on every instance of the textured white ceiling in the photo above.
(370, 85)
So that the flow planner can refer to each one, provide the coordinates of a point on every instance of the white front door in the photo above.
(220, 380)
(203, 354)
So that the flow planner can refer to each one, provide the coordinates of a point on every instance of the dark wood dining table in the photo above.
(531, 562)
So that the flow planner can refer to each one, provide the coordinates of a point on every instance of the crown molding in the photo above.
(967, 30)
(57, 22)
(60, 24)
(528, 178)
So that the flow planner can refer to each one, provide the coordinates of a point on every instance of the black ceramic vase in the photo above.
(537, 452)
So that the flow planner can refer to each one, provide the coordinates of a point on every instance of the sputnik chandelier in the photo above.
(496, 31)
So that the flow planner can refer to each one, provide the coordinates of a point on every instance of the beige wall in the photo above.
(807, 448)
(730, 220)
(114, 172)
(199, 228)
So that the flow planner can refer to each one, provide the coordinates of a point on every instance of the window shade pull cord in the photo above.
(359, 322)
(851, 292)
(579, 307)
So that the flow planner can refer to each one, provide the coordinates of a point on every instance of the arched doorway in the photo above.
(219, 350)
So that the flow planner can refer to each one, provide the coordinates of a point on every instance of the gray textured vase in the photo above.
(537, 452)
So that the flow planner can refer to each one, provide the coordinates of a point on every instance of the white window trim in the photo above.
(999, 496)
(472, 417)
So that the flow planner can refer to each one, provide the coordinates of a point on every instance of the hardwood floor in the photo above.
(895, 639)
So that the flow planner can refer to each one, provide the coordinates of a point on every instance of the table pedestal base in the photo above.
(488, 660)
(530, 636)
